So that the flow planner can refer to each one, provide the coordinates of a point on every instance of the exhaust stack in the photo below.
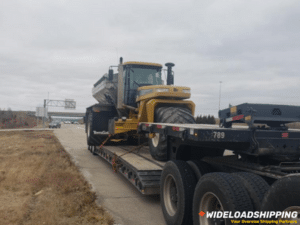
(170, 77)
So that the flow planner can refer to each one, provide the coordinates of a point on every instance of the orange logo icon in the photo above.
(201, 213)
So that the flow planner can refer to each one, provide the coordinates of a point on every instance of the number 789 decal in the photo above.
(216, 134)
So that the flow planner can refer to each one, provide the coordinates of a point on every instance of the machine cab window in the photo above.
(136, 76)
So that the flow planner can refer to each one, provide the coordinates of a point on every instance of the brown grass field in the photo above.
(39, 184)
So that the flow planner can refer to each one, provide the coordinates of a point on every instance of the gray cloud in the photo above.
(63, 47)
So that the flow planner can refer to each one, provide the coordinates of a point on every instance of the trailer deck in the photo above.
(257, 141)
(137, 166)
(144, 172)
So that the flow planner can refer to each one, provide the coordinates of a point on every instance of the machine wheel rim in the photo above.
(170, 195)
(210, 202)
(155, 140)
(291, 209)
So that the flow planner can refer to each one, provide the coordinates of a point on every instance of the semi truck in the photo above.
(152, 140)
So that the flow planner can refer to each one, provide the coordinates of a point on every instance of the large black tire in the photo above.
(176, 190)
(283, 195)
(256, 187)
(219, 192)
(167, 114)
(199, 168)
(95, 123)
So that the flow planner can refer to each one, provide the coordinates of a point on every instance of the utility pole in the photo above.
(47, 104)
(220, 96)
(44, 113)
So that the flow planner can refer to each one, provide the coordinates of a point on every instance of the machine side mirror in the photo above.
(110, 74)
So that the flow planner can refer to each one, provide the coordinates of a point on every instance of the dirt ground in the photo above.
(40, 185)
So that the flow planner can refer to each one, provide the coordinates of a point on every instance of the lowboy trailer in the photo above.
(217, 168)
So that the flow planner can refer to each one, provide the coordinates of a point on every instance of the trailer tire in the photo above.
(199, 168)
(256, 187)
(167, 114)
(219, 192)
(176, 190)
(283, 195)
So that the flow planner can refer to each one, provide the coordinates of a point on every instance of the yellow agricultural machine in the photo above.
(137, 93)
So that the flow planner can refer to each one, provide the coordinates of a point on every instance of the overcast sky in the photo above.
(64, 46)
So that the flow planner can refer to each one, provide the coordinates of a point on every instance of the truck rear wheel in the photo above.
(284, 195)
(176, 190)
(219, 192)
(256, 187)
(166, 114)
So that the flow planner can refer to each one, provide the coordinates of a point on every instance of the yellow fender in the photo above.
(152, 104)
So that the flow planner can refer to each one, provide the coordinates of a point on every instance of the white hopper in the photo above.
(104, 88)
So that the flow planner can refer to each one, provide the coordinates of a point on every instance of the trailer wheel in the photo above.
(256, 187)
(199, 168)
(176, 190)
(284, 195)
(219, 192)
(167, 114)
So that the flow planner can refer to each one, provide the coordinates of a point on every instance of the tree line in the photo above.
(205, 119)
(6, 116)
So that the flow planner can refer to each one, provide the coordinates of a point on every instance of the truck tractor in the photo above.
(137, 93)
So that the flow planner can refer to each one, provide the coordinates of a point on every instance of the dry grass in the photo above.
(40, 185)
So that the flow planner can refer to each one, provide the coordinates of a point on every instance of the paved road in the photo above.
(115, 193)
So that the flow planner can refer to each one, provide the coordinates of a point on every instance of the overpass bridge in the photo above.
(61, 116)
(66, 114)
